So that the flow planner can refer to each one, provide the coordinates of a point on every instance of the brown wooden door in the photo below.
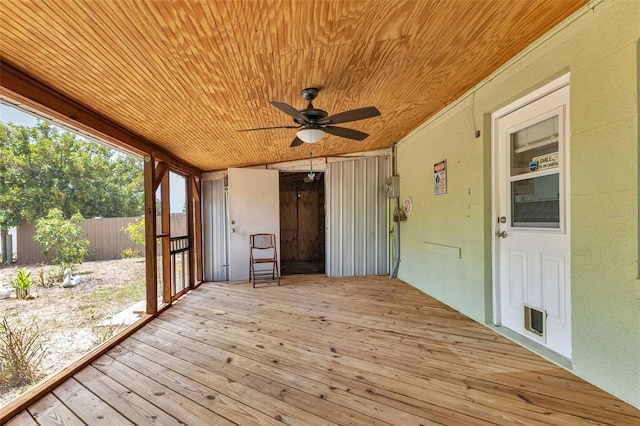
(308, 244)
(289, 225)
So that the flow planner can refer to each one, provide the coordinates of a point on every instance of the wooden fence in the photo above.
(106, 238)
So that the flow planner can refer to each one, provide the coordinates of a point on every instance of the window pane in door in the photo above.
(535, 203)
(535, 147)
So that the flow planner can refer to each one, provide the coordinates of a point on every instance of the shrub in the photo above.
(22, 284)
(20, 352)
(129, 253)
(135, 230)
(63, 237)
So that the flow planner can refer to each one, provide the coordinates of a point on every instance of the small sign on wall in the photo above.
(440, 177)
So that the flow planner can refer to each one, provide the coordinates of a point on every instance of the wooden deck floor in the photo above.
(319, 351)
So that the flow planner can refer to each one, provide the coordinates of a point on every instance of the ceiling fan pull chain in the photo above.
(311, 175)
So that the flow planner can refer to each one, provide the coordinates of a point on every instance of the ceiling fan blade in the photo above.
(345, 133)
(352, 115)
(286, 108)
(268, 128)
(296, 142)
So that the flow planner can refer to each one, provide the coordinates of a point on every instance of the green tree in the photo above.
(43, 168)
(62, 237)
(14, 147)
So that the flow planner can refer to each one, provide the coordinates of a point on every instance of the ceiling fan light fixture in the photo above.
(310, 135)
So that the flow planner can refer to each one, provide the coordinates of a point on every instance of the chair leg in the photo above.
(252, 274)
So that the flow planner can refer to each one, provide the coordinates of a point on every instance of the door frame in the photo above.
(323, 171)
(535, 95)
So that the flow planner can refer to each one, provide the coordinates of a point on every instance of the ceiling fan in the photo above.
(314, 123)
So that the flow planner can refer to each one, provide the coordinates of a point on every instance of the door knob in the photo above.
(501, 234)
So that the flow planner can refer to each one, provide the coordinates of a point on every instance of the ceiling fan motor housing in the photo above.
(314, 116)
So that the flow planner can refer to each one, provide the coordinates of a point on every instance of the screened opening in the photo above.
(74, 206)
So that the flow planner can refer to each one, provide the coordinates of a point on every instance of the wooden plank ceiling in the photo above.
(186, 75)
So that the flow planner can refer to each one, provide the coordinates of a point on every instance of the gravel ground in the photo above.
(67, 318)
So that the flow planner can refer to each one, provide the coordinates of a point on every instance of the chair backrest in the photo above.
(262, 241)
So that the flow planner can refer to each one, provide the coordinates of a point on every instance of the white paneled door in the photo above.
(531, 229)
(254, 208)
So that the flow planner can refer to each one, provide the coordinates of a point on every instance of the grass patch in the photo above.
(104, 333)
(115, 294)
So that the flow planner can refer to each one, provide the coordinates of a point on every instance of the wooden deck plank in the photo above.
(49, 410)
(564, 379)
(286, 389)
(182, 374)
(337, 386)
(86, 405)
(272, 371)
(493, 409)
(413, 342)
(415, 326)
(323, 351)
(129, 404)
(23, 419)
(566, 383)
(182, 408)
(440, 364)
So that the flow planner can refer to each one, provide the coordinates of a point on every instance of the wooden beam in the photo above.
(196, 185)
(20, 87)
(161, 170)
(150, 235)
(193, 212)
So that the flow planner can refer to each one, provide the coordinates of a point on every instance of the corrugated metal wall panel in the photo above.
(214, 228)
(357, 237)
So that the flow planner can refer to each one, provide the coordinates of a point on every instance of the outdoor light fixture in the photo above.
(310, 135)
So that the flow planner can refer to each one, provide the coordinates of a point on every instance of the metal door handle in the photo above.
(501, 234)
